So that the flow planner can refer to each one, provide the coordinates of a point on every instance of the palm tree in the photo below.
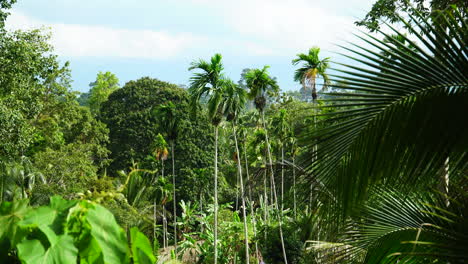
(169, 122)
(160, 153)
(261, 84)
(395, 130)
(311, 69)
(234, 103)
(208, 83)
(307, 75)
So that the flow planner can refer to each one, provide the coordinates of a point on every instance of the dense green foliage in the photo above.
(133, 125)
(105, 84)
(374, 171)
(67, 231)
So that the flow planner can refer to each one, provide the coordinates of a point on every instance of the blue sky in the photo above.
(159, 38)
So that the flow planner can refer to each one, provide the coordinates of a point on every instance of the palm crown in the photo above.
(311, 68)
(260, 83)
(234, 100)
(208, 82)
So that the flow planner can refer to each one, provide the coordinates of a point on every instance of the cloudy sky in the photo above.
(159, 38)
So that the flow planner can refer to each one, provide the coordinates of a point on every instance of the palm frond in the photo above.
(395, 228)
(407, 120)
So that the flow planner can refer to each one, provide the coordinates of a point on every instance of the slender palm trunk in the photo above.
(237, 192)
(174, 197)
(247, 169)
(282, 177)
(265, 199)
(274, 191)
(252, 215)
(314, 156)
(294, 187)
(154, 217)
(215, 229)
(164, 227)
(154, 220)
(164, 213)
(314, 90)
(239, 168)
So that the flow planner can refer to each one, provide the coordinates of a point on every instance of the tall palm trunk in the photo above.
(154, 216)
(247, 169)
(216, 197)
(154, 219)
(314, 157)
(237, 193)
(265, 199)
(239, 168)
(164, 212)
(252, 215)
(314, 90)
(275, 197)
(294, 187)
(174, 197)
(282, 177)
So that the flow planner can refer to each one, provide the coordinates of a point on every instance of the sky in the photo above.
(160, 38)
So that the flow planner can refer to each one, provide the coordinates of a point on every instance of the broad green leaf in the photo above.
(77, 226)
(10, 214)
(49, 219)
(92, 253)
(141, 248)
(41, 218)
(59, 204)
(109, 235)
(59, 252)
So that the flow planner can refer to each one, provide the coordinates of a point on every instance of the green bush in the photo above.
(271, 247)
(68, 231)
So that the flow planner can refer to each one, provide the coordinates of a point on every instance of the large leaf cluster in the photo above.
(67, 232)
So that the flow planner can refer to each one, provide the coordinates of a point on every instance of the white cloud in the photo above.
(286, 26)
(89, 40)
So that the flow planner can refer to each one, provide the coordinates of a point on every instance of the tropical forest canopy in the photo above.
(366, 163)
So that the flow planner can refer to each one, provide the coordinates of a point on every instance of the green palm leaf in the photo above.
(402, 121)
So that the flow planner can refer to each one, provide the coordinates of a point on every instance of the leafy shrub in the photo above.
(67, 231)
(271, 247)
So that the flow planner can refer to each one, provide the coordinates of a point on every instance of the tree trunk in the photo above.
(282, 177)
(247, 169)
(265, 199)
(174, 197)
(154, 220)
(164, 224)
(314, 90)
(237, 190)
(215, 229)
(274, 191)
(252, 215)
(294, 187)
(239, 168)
(314, 155)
